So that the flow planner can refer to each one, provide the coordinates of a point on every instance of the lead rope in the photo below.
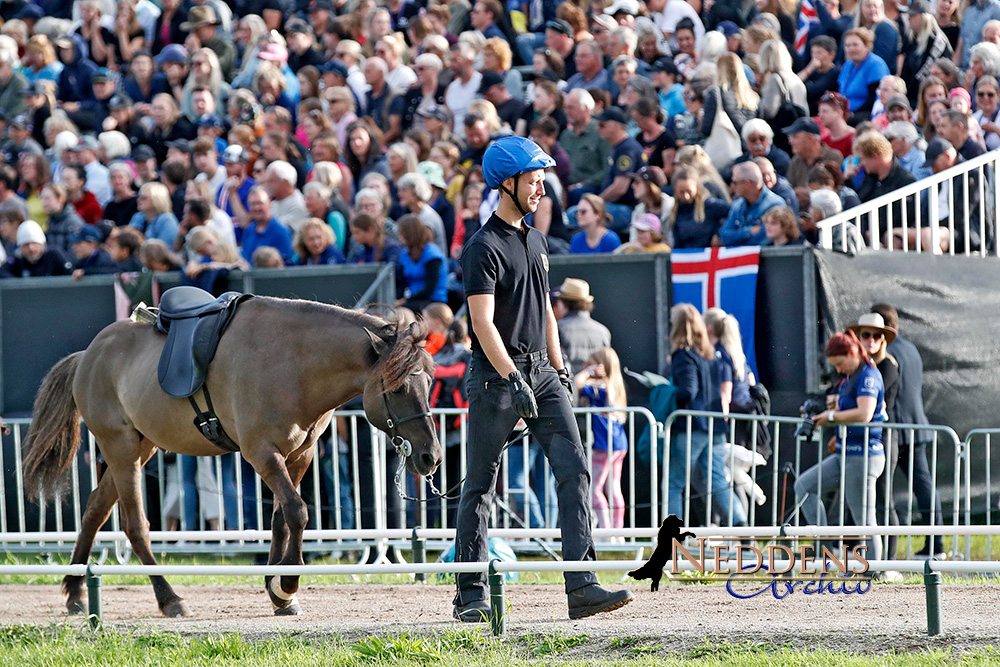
(404, 449)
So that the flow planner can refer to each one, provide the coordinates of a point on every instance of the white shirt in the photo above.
(356, 80)
(458, 96)
(215, 182)
(400, 79)
(672, 14)
(290, 211)
(99, 182)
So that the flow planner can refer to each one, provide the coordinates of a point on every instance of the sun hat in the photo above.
(574, 289)
(874, 321)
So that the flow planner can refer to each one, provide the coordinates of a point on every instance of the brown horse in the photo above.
(281, 369)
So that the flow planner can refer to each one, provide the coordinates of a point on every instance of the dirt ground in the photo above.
(677, 617)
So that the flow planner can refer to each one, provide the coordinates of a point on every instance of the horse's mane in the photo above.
(404, 352)
(405, 355)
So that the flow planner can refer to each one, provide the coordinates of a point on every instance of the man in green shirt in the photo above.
(587, 151)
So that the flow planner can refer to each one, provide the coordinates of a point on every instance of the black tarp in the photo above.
(949, 307)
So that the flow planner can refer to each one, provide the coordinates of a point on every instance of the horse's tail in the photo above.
(54, 434)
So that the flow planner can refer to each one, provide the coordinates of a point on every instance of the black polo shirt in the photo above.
(513, 265)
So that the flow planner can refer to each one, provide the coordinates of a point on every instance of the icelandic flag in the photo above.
(807, 17)
(723, 278)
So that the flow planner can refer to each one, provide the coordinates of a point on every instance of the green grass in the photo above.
(63, 646)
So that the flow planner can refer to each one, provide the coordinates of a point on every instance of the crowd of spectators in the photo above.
(206, 136)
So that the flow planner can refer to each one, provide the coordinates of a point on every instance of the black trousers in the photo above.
(890, 441)
(923, 484)
(491, 420)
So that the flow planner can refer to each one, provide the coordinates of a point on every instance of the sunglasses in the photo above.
(874, 335)
(983, 93)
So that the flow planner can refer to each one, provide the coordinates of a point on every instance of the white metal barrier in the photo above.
(931, 569)
(230, 495)
(780, 430)
(887, 222)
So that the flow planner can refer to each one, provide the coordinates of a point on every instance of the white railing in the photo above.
(885, 223)
(714, 563)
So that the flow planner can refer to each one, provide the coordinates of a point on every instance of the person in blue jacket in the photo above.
(421, 265)
(693, 374)
(264, 230)
(745, 226)
(75, 83)
(860, 399)
(861, 74)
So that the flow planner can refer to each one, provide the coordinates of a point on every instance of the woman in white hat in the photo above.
(33, 257)
(875, 336)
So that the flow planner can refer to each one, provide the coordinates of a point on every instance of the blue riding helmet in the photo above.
(512, 156)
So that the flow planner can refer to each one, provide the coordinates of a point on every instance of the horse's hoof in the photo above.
(74, 607)
(176, 609)
(293, 609)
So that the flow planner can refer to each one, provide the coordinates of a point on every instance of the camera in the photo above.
(811, 407)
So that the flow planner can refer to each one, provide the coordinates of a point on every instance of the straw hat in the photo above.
(874, 321)
(574, 289)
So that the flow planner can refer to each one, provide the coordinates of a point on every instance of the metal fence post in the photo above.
(96, 608)
(419, 552)
(932, 586)
(498, 601)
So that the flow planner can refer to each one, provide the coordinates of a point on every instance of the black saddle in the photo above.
(194, 322)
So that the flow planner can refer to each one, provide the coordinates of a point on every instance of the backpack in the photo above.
(448, 390)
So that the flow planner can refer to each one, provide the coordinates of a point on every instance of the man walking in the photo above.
(514, 339)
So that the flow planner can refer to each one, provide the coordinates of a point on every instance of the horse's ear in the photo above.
(378, 343)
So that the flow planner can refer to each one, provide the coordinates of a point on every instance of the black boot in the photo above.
(474, 611)
(593, 599)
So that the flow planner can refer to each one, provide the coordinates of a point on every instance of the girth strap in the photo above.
(208, 423)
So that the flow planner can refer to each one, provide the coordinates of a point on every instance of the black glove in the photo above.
(521, 396)
(566, 381)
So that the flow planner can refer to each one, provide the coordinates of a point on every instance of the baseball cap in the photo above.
(102, 75)
(235, 154)
(86, 143)
(804, 124)
(180, 144)
(666, 65)
(142, 152)
(274, 52)
(298, 25)
(334, 67)
(435, 111)
(319, 5)
(63, 42)
(916, 7)
(560, 26)
(614, 115)
(88, 233)
(120, 101)
(899, 100)
(490, 79)
(728, 28)
(174, 53)
(649, 222)
(935, 149)
(626, 6)
(23, 121)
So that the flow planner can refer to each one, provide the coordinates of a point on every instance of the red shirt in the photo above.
(88, 208)
(845, 144)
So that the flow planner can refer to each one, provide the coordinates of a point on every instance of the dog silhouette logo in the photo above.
(670, 530)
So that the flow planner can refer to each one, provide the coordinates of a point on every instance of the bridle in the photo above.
(404, 448)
